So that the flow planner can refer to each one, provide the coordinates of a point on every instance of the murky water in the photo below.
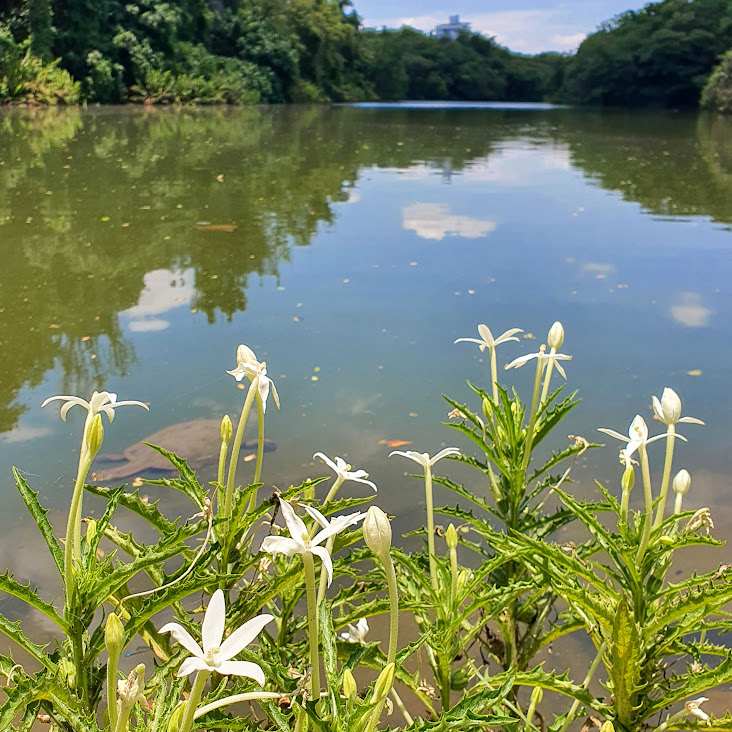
(349, 247)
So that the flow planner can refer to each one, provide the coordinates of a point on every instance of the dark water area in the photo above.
(349, 247)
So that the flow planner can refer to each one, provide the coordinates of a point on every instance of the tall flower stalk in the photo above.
(427, 463)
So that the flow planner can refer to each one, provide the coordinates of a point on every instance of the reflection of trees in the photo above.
(90, 201)
(673, 165)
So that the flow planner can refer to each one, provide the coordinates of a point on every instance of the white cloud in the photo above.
(523, 31)
(164, 291)
(24, 434)
(690, 311)
(434, 221)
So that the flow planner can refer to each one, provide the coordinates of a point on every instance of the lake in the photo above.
(349, 247)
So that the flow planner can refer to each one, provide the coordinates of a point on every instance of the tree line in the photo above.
(303, 51)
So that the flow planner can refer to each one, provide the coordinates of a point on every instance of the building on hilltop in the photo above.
(452, 29)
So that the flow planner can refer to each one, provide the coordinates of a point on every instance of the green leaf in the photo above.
(40, 516)
(13, 631)
(625, 654)
(187, 484)
(132, 501)
(24, 592)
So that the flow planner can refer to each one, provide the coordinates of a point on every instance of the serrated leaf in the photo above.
(625, 660)
(133, 502)
(24, 592)
(40, 516)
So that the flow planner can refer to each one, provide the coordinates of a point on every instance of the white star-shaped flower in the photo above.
(694, 708)
(356, 633)
(101, 401)
(637, 436)
(487, 340)
(343, 470)
(423, 458)
(668, 409)
(247, 365)
(517, 363)
(299, 541)
(215, 655)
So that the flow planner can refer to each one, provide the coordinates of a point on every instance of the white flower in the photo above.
(101, 401)
(423, 458)
(682, 482)
(215, 655)
(694, 707)
(356, 633)
(637, 436)
(343, 470)
(487, 340)
(555, 339)
(517, 363)
(299, 541)
(247, 365)
(668, 409)
(130, 690)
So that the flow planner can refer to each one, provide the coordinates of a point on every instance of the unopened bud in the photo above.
(451, 537)
(349, 685)
(536, 696)
(607, 727)
(244, 354)
(91, 530)
(555, 339)
(68, 671)
(384, 683)
(226, 429)
(668, 409)
(95, 434)
(114, 635)
(682, 482)
(377, 533)
(628, 480)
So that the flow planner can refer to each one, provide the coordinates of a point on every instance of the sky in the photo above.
(524, 26)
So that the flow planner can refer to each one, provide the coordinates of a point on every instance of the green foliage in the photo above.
(658, 56)
(717, 93)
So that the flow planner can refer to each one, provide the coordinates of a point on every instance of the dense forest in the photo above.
(301, 51)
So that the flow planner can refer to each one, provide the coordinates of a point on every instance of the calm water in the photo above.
(350, 247)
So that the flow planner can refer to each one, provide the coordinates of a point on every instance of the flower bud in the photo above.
(91, 530)
(628, 480)
(682, 482)
(95, 434)
(668, 409)
(244, 354)
(555, 339)
(377, 533)
(536, 696)
(114, 635)
(451, 537)
(130, 690)
(349, 685)
(607, 727)
(226, 429)
(384, 683)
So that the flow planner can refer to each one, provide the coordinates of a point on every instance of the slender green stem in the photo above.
(430, 526)
(648, 496)
(677, 503)
(391, 583)
(494, 375)
(665, 481)
(238, 437)
(307, 560)
(323, 573)
(624, 503)
(193, 701)
(260, 451)
(400, 706)
(547, 378)
(532, 416)
(585, 685)
(112, 689)
(334, 489)
(453, 574)
(72, 548)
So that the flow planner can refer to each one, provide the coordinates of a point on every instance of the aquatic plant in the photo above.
(480, 622)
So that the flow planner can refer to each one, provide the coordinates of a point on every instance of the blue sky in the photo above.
(526, 26)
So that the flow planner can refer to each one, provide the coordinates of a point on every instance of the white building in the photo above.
(451, 29)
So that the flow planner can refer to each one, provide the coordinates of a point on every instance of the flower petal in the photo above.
(316, 516)
(509, 335)
(485, 333)
(560, 368)
(470, 340)
(275, 395)
(282, 545)
(417, 457)
(181, 636)
(353, 477)
(326, 460)
(263, 388)
(65, 409)
(613, 433)
(444, 453)
(192, 664)
(212, 629)
(517, 363)
(132, 403)
(322, 552)
(295, 524)
(691, 420)
(336, 526)
(242, 668)
(243, 636)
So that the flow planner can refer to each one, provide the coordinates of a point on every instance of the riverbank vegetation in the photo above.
(302, 51)
(300, 572)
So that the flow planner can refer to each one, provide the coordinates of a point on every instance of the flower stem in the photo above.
(494, 375)
(391, 583)
(112, 690)
(648, 496)
(234, 459)
(585, 685)
(260, 451)
(670, 440)
(193, 701)
(430, 526)
(307, 560)
(323, 572)
(72, 550)
(547, 378)
(532, 415)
